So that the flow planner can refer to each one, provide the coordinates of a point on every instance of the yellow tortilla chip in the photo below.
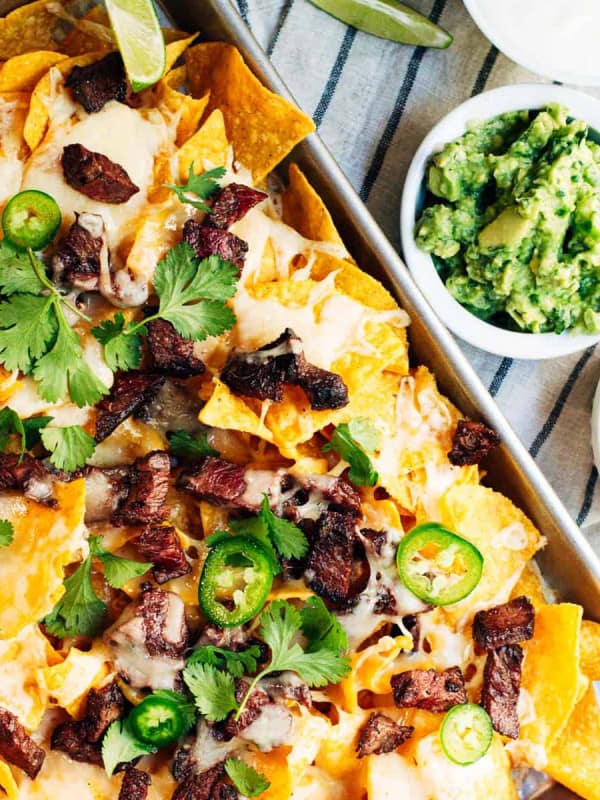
(304, 210)
(262, 126)
(502, 533)
(551, 676)
(91, 33)
(176, 49)
(22, 73)
(225, 410)
(207, 148)
(590, 649)
(188, 108)
(530, 585)
(68, 683)
(274, 767)
(45, 541)
(28, 28)
(7, 781)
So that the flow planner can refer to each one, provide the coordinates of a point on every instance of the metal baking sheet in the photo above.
(568, 561)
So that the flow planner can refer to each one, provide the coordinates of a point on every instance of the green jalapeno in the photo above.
(31, 219)
(157, 720)
(235, 581)
(466, 733)
(438, 566)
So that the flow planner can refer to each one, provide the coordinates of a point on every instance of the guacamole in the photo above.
(512, 220)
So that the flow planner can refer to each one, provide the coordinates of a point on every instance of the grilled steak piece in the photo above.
(471, 443)
(29, 475)
(318, 493)
(428, 689)
(337, 567)
(149, 640)
(263, 373)
(17, 747)
(105, 490)
(94, 85)
(145, 502)
(230, 727)
(77, 259)
(213, 784)
(216, 481)
(171, 354)
(160, 545)
(380, 735)
(500, 692)
(135, 784)
(103, 707)
(231, 203)
(129, 392)
(96, 176)
(509, 623)
(70, 738)
(206, 241)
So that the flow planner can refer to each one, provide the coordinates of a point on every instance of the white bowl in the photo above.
(460, 321)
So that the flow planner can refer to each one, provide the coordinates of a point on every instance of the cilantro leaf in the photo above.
(184, 445)
(78, 611)
(288, 539)
(236, 663)
(245, 778)
(321, 628)
(213, 691)
(28, 326)
(353, 441)
(32, 428)
(69, 447)
(122, 346)
(16, 274)
(186, 708)
(7, 533)
(256, 527)
(119, 746)
(117, 570)
(10, 422)
(203, 186)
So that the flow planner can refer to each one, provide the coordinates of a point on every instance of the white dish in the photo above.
(460, 321)
(555, 38)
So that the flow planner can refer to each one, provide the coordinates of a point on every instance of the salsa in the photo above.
(512, 219)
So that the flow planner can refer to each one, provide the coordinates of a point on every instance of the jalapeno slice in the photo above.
(438, 566)
(157, 721)
(31, 219)
(235, 581)
(466, 733)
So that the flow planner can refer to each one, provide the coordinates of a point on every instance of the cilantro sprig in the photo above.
(192, 296)
(320, 662)
(235, 662)
(120, 746)
(185, 445)
(80, 610)
(69, 447)
(355, 441)
(7, 533)
(201, 186)
(35, 335)
(245, 778)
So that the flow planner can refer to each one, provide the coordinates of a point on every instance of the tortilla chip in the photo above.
(337, 754)
(176, 49)
(274, 767)
(225, 410)
(91, 33)
(502, 533)
(590, 649)
(262, 126)
(7, 782)
(188, 108)
(69, 682)
(551, 676)
(207, 148)
(530, 585)
(22, 73)
(9, 383)
(28, 28)
(304, 210)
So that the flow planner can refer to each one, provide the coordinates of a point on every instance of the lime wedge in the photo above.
(389, 20)
(140, 39)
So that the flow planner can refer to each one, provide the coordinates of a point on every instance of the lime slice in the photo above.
(140, 39)
(389, 20)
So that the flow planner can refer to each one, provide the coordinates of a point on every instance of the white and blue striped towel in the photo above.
(373, 102)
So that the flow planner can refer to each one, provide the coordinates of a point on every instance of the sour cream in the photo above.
(556, 38)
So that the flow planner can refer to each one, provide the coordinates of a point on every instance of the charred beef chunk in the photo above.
(216, 481)
(93, 86)
(509, 623)
(206, 241)
(231, 203)
(17, 747)
(129, 392)
(135, 784)
(170, 353)
(337, 567)
(263, 372)
(28, 475)
(500, 692)
(376, 540)
(428, 689)
(105, 490)
(160, 545)
(380, 735)
(96, 176)
(322, 492)
(385, 601)
(145, 502)
(77, 259)
(213, 784)
(231, 727)
(471, 443)
(149, 640)
(70, 738)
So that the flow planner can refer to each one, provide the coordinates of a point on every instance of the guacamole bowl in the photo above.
(495, 337)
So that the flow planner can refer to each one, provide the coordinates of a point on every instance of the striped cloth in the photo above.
(373, 102)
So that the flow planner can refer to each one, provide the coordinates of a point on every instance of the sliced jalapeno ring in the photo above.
(157, 721)
(438, 566)
(466, 733)
(235, 581)
(31, 219)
